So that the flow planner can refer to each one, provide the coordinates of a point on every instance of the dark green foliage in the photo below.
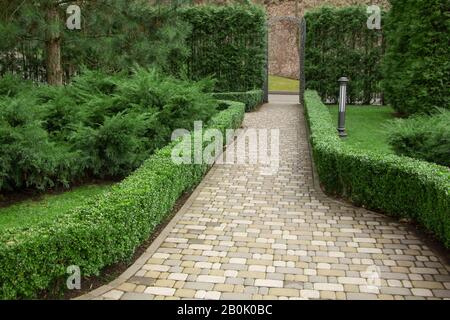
(28, 157)
(416, 67)
(108, 229)
(115, 35)
(251, 99)
(11, 85)
(338, 43)
(224, 42)
(98, 126)
(423, 137)
(399, 186)
(229, 44)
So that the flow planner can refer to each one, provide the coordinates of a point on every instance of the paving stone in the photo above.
(422, 292)
(136, 296)
(113, 294)
(146, 281)
(310, 294)
(185, 293)
(161, 291)
(328, 287)
(211, 279)
(268, 283)
(236, 296)
(284, 292)
(178, 276)
(361, 296)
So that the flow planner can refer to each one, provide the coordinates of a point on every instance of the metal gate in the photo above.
(301, 56)
(301, 53)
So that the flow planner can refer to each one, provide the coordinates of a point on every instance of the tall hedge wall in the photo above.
(399, 186)
(228, 43)
(416, 66)
(251, 99)
(338, 43)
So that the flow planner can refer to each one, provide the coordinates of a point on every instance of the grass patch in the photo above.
(365, 127)
(47, 207)
(277, 83)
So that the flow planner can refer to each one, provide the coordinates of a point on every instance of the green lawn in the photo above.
(30, 212)
(283, 84)
(365, 126)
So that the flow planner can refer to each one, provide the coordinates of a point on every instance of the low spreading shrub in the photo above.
(399, 186)
(99, 125)
(11, 85)
(251, 99)
(423, 137)
(105, 231)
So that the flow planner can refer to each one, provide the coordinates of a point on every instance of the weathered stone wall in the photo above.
(283, 35)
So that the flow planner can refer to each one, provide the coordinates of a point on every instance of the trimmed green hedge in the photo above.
(105, 231)
(416, 67)
(424, 137)
(251, 99)
(399, 186)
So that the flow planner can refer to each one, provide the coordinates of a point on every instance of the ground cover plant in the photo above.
(47, 207)
(277, 83)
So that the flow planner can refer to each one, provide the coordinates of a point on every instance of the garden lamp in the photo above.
(342, 103)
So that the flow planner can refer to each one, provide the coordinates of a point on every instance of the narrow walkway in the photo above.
(247, 235)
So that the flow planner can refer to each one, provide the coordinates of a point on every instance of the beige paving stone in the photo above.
(361, 296)
(268, 283)
(128, 287)
(178, 276)
(284, 292)
(310, 294)
(136, 296)
(164, 283)
(224, 287)
(185, 293)
(160, 291)
(422, 292)
(211, 279)
(328, 287)
(212, 295)
(139, 289)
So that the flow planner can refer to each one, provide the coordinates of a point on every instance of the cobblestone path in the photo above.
(246, 235)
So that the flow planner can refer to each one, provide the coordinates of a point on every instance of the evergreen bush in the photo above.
(339, 43)
(423, 137)
(416, 66)
(98, 126)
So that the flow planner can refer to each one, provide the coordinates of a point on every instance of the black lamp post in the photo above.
(342, 104)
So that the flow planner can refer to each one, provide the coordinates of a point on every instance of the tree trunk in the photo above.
(53, 48)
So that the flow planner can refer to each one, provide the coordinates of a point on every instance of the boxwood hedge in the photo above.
(105, 231)
(399, 186)
(251, 99)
